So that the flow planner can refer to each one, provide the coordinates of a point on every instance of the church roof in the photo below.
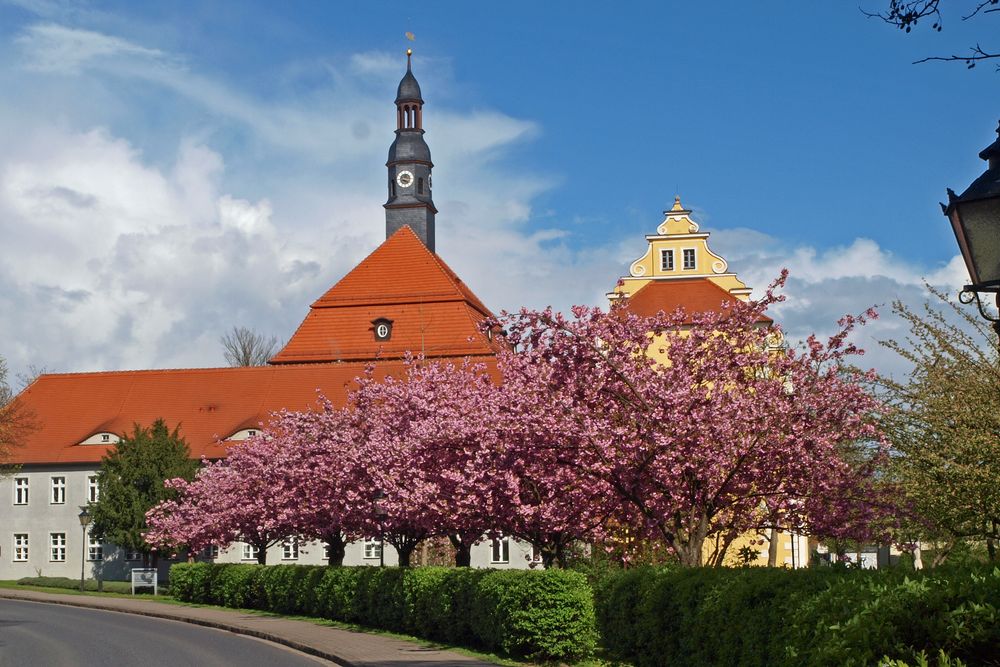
(209, 404)
(432, 312)
(694, 295)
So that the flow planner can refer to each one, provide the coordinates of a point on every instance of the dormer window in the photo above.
(101, 438)
(243, 434)
(382, 328)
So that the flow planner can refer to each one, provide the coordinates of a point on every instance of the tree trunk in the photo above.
(405, 550)
(463, 551)
(991, 549)
(942, 554)
(261, 554)
(772, 548)
(337, 549)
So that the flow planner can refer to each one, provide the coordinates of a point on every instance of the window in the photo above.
(21, 491)
(290, 550)
(420, 186)
(689, 259)
(500, 552)
(249, 552)
(382, 328)
(58, 491)
(131, 554)
(326, 551)
(95, 550)
(373, 549)
(20, 547)
(93, 491)
(105, 437)
(666, 260)
(251, 433)
(536, 554)
(57, 547)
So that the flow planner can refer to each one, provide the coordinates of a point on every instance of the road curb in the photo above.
(218, 625)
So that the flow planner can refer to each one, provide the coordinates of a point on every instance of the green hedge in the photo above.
(756, 616)
(538, 615)
(74, 584)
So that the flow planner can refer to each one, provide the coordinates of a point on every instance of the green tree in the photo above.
(131, 482)
(945, 427)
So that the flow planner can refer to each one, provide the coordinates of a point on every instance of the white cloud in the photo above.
(826, 284)
(55, 48)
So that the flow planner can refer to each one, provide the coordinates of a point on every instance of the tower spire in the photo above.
(410, 165)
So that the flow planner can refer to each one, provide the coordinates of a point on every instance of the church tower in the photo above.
(410, 166)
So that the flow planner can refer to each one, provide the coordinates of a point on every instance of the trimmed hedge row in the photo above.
(539, 615)
(756, 617)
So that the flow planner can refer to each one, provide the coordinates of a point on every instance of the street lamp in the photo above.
(975, 219)
(84, 517)
(378, 509)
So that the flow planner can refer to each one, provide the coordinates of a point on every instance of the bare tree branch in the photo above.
(246, 347)
(906, 14)
(970, 61)
(15, 421)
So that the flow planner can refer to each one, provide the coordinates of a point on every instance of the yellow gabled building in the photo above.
(678, 269)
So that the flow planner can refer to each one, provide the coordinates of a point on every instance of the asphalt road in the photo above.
(51, 635)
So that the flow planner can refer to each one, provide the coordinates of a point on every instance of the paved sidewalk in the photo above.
(344, 647)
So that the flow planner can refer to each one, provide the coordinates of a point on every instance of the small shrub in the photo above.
(547, 615)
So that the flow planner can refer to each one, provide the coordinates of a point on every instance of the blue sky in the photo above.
(167, 171)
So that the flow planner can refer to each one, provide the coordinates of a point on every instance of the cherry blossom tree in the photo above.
(428, 443)
(696, 425)
(244, 497)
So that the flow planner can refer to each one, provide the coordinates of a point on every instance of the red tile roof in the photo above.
(208, 404)
(695, 295)
(432, 311)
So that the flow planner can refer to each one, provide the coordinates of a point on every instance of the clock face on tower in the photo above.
(404, 179)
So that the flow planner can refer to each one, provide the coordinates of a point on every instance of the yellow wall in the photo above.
(677, 233)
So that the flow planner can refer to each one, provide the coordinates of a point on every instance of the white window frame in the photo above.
(21, 547)
(212, 551)
(57, 495)
(21, 484)
(536, 554)
(133, 555)
(694, 259)
(93, 489)
(668, 254)
(290, 549)
(95, 549)
(373, 549)
(500, 549)
(57, 547)
(248, 552)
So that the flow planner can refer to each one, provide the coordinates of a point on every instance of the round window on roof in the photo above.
(383, 329)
